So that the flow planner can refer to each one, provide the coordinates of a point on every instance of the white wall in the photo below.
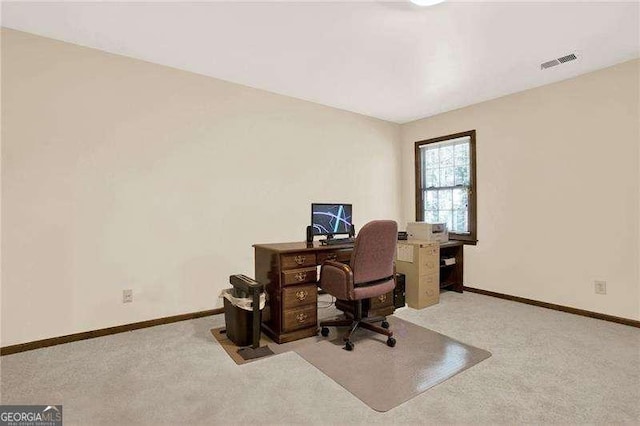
(558, 190)
(118, 173)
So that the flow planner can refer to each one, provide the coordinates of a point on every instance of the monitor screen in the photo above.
(331, 218)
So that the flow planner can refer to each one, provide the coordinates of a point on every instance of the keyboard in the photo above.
(338, 241)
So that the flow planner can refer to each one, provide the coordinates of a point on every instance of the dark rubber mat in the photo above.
(251, 353)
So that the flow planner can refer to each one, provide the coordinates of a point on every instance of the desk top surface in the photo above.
(316, 246)
(301, 246)
(451, 243)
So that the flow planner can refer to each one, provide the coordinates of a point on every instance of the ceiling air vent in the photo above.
(562, 60)
(549, 64)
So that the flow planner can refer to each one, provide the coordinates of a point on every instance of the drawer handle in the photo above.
(301, 276)
(382, 297)
(301, 317)
(332, 256)
(299, 259)
(301, 295)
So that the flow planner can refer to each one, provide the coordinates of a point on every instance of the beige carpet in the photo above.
(546, 367)
(384, 377)
(380, 376)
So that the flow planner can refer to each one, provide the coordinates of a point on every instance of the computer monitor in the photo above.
(331, 219)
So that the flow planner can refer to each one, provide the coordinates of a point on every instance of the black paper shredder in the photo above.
(243, 326)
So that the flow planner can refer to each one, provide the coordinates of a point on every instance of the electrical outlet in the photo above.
(127, 296)
(600, 287)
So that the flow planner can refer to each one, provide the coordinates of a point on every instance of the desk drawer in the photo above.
(299, 276)
(297, 260)
(296, 318)
(300, 295)
(337, 255)
(381, 301)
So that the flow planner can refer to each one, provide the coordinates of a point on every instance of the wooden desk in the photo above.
(290, 275)
(289, 272)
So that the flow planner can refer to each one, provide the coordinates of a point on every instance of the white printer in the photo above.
(427, 231)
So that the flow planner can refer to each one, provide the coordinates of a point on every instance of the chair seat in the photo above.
(366, 292)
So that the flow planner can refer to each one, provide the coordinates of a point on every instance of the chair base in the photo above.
(357, 322)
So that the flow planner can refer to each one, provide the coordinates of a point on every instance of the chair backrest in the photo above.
(374, 251)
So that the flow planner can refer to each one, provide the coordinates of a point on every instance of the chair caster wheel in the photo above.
(391, 342)
(348, 345)
(385, 324)
(324, 331)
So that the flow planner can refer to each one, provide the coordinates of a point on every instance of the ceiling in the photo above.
(390, 60)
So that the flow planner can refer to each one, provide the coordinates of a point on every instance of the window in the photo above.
(445, 183)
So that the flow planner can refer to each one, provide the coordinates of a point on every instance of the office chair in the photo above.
(369, 274)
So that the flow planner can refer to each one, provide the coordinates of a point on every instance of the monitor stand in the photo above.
(326, 240)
